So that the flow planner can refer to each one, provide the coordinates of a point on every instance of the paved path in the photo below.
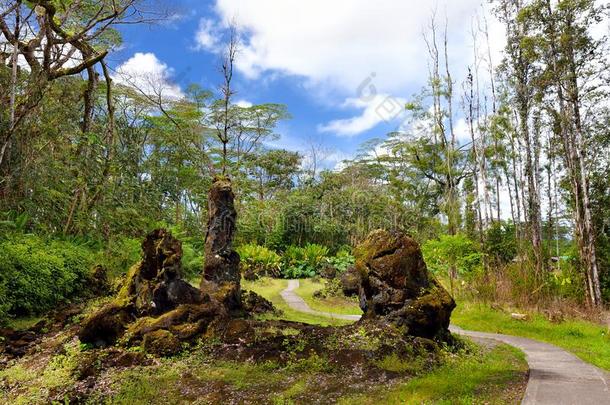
(556, 376)
(298, 304)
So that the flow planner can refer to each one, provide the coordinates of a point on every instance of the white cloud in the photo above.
(243, 103)
(208, 35)
(338, 47)
(146, 73)
(339, 43)
(462, 131)
(380, 108)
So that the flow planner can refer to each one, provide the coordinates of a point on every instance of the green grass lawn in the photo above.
(496, 376)
(338, 305)
(270, 288)
(589, 341)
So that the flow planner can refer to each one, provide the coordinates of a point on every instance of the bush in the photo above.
(36, 275)
(452, 255)
(341, 261)
(301, 262)
(120, 254)
(501, 242)
(259, 261)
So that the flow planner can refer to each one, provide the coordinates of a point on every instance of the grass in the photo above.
(487, 375)
(36, 383)
(338, 305)
(494, 377)
(587, 340)
(271, 288)
(23, 323)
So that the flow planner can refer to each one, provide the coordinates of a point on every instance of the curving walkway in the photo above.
(297, 303)
(556, 376)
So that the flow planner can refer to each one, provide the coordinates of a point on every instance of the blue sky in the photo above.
(320, 58)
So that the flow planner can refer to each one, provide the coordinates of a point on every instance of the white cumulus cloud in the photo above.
(334, 46)
(380, 108)
(208, 35)
(146, 73)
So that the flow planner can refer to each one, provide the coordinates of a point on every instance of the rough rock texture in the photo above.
(107, 325)
(99, 284)
(153, 297)
(154, 285)
(161, 342)
(253, 303)
(221, 275)
(395, 285)
(350, 282)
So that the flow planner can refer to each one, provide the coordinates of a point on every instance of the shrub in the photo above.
(501, 242)
(341, 261)
(452, 255)
(36, 275)
(192, 262)
(259, 261)
(120, 254)
(300, 262)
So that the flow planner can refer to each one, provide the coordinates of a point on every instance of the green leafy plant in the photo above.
(120, 254)
(341, 261)
(259, 260)
(453, 255)
(192, 261)
(301, 262)
(36, 274)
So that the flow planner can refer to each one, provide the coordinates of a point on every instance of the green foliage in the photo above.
(453, 255)
(192, 262)
(565, 280)
(14, 221)
(35, 274)
(500, 242)
(342, 260)
(259, 260)
(119, 254)
(300, 262)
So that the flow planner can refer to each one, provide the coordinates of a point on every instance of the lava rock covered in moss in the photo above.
(395, 285)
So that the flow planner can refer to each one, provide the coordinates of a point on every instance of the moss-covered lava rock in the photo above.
(153, 297)
(221, 275)
(396, 285)
(161, 342)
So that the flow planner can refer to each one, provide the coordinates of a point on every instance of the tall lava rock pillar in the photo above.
(221, 276)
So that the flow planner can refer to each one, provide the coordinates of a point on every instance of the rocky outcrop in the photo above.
(253, 303)
(350, 282)
(395, 285)
(153, 297)
(154, 286)
(221, 275)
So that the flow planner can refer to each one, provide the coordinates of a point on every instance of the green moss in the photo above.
(32, 385)
(126, 293)
(287, 396)
(397, 364)
(161, 342)
(481, 377)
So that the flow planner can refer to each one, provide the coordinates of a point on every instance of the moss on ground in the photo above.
(281, 363)
(495, 375)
